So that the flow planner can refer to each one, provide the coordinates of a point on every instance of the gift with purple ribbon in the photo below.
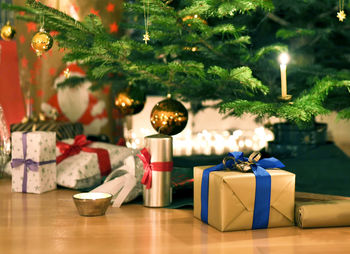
(33, 162)
(244, 193)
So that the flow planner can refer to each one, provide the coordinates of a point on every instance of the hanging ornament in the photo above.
(193, 49)
(341, 14)
(7, 32)
(169, 117)
(42, 41)
(66, 73)
(146, 36)
(194, 17)
(130, 101)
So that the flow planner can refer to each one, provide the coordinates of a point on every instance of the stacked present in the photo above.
(256, 196)
(81, 164)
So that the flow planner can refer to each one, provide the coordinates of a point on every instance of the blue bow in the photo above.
(262, 190)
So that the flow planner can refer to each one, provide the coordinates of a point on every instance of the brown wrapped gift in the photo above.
(332, 213)
(232, 196)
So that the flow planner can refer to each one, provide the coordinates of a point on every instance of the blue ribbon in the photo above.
(262, 189)
(29, 164)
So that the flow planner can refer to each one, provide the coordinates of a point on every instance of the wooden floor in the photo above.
(49, 223)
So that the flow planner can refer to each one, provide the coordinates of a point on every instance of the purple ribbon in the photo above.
(29, 164)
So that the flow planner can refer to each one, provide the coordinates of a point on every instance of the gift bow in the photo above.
(81, 144)
(262, 184)
(236, 160)
(154, 166)
(29, 164)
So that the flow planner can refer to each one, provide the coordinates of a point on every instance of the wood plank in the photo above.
(49, 223)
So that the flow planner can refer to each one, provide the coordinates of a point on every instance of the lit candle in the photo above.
(92, 203)
(283, 59)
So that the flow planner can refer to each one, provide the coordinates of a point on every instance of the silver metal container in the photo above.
(160, 148)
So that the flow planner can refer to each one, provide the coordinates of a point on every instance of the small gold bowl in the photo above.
(92, 203)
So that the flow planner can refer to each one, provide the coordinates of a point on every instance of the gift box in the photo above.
(82, 164)
(234, 200)
(64, 130)
(33, 161)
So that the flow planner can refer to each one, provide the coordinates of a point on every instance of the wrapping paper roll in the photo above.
(334, 213)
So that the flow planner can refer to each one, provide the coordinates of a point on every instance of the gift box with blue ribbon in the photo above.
(244, 193)
(33, 161)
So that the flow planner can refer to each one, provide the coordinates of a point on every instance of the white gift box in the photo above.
(82, 171)
(33, 161)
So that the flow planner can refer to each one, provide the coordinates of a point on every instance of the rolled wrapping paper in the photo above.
(334, 213)
(160, 147)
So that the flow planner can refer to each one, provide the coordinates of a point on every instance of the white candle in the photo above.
(283, 68)
(284, 59)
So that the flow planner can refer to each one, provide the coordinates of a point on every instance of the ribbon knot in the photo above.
(148, 167)
(81, 144)
(241, 163)
(67, 150)
(28, 164)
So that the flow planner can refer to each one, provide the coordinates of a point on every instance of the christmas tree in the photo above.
(318, 76)
(218, 50)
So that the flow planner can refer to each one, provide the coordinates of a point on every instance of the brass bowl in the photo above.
(92, 203)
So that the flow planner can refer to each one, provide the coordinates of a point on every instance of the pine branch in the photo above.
(344, 114)
(277, 19)
(47, 12)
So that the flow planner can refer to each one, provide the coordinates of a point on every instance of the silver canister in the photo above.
(160, 148)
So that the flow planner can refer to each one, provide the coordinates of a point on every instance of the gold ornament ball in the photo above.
(169, 117)
(130, 101)
(7, 32)
(42, 41)
(194, 17)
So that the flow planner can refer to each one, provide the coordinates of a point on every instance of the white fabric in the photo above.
(74, 101)
(121, 186)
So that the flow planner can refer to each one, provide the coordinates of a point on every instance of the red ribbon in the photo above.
(81, 144)
(154, 166)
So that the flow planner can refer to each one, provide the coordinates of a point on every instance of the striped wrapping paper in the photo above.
(63, 130)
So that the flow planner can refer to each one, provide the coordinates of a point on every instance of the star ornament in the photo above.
(110, 7)
(146, 37)
(113, 28)
(66, 73)
(341, 15)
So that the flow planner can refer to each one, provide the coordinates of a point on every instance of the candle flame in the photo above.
(283, 58)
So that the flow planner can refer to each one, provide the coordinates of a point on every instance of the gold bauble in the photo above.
(42, 41)
(7, 32)
(130, 101)
(194, 17)
(169, 117)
